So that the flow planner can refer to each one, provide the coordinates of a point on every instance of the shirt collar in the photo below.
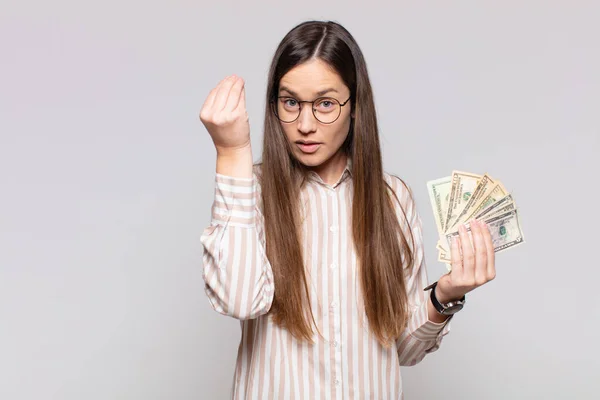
(346, 174)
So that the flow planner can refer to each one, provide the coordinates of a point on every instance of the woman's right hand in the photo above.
(224, 115)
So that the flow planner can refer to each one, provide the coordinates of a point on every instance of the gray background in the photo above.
(106, 178)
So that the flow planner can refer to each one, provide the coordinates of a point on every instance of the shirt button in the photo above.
(333, 304)
(337, 382)
(335, 344)
(332, 266)
(333, 228)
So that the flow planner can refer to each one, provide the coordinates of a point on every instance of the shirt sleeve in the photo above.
(237, 274)
(421, 335)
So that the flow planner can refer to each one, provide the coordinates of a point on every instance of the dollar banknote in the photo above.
(497, 206)
(462, 196)
(484, 187)
(498, 192)
(463, 185)
(505, 229)
(439, 195)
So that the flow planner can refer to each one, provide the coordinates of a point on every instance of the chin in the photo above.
(309, 160)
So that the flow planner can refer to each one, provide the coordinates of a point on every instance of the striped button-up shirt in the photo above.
(347, 361)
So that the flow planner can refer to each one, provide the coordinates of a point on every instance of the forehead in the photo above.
(311, 78)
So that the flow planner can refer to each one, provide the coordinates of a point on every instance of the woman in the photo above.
(317, 250)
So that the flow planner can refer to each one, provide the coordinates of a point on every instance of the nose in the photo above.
(306, 120)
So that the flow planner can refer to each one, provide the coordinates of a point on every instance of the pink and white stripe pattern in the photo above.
(347, 362)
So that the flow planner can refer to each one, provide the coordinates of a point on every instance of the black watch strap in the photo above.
(448, 308)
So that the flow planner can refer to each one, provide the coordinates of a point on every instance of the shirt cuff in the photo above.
(234, 201)
(424, 329)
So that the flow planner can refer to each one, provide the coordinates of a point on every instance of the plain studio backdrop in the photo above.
(107, 179)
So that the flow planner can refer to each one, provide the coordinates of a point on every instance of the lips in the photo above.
(306, 142)
(308, 148)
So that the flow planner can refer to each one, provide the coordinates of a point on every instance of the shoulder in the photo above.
(400, 188)
(403, 194)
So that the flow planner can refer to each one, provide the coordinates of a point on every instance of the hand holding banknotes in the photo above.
(462, 196)
(476, 217)
(473, 262)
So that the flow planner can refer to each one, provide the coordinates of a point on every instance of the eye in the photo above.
(289, 102)
(326, 104)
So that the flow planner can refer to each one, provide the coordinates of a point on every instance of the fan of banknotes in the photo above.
(462, 196)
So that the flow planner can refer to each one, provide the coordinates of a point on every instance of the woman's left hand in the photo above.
(476, 267)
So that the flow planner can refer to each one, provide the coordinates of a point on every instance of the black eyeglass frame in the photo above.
(274, 107)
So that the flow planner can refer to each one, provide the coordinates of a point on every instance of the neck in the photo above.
(331, 171)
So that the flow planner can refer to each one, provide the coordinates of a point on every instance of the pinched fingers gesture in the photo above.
(224, 114)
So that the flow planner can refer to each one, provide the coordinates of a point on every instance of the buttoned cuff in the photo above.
(424, 329)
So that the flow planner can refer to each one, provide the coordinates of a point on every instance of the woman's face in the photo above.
(309, 81)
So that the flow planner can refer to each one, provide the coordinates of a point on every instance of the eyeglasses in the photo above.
(325, 109)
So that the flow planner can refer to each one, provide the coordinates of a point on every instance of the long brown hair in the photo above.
(383, 259)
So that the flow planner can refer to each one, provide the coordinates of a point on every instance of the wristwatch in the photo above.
(449, 308)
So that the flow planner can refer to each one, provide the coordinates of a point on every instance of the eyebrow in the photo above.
(319, 93)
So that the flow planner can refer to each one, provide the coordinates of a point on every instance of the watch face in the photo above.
(453, 309)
